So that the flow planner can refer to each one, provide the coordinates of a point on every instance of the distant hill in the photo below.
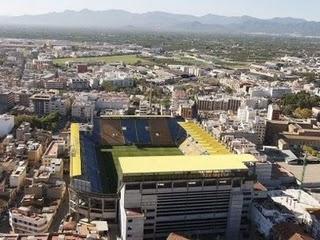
(162, 21)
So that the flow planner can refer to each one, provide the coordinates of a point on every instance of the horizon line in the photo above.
(155, 11)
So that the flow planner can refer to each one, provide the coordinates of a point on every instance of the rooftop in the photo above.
(180, 164)
(291, 231)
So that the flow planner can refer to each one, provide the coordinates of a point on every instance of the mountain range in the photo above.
(162, 21)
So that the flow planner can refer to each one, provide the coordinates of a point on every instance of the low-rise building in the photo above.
(283, 206)
(23, 220)
(18, 176)
(35, 151)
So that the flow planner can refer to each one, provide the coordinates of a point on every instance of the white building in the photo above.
(266, 214)
(242, 145)
(291, 205)
(54, 166)
(45, 103)
(191, 70)
(273, 92)
(257, 102)
(259, 92)
(246, 114)
(118, 79)
(279, 92)
(23, 220)
(82, 109)
(18, 176)
(6, 124)
(144, 108)
(60, 105)
(296, 201)
(112, 101)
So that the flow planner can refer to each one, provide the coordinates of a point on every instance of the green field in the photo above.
(126, 59)
(133, 151)
(108, 158)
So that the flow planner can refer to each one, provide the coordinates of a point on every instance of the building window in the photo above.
(148, 186)
(236, 183)
(180, 184)
(210, 183)
(133, 187)
(195, 184)
(148, 231)
(164, 185)
(224, 182)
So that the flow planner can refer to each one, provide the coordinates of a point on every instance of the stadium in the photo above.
(151, 172)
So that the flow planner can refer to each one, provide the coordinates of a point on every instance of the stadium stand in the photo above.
(133, 130)
(129, 131)
(177, 132)
(160, 133)
(143, 133)
(191, 148)
(96, 133)
(203, 138)
(90, 164)
(111, 132)
(75, 160)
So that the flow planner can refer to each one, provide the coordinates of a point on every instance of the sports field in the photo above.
(133, 151)
(108, 157)
(126, 59)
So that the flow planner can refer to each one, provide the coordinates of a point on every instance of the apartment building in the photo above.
(7, 100)
(44, 103)
(215, 103)
(23, 220)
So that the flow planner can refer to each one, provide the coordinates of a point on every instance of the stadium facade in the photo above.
(149, 196)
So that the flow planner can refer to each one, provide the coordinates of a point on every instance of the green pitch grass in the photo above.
(133, 151)
(108, 158)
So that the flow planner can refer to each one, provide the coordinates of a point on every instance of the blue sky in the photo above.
(308, 9)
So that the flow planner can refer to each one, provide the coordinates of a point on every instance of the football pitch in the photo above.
(133, 151)
(108, 157)
(126, 59)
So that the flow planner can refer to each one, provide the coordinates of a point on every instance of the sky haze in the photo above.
(307, 9)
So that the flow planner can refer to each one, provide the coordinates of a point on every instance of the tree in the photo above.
(107, 86)
(48, 122)
(166, 102)
(229, 90)
(302, 100)
(302, 113)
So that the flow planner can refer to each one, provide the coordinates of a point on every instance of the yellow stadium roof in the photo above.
(75, 156)
(176, 164)
(209, 143)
